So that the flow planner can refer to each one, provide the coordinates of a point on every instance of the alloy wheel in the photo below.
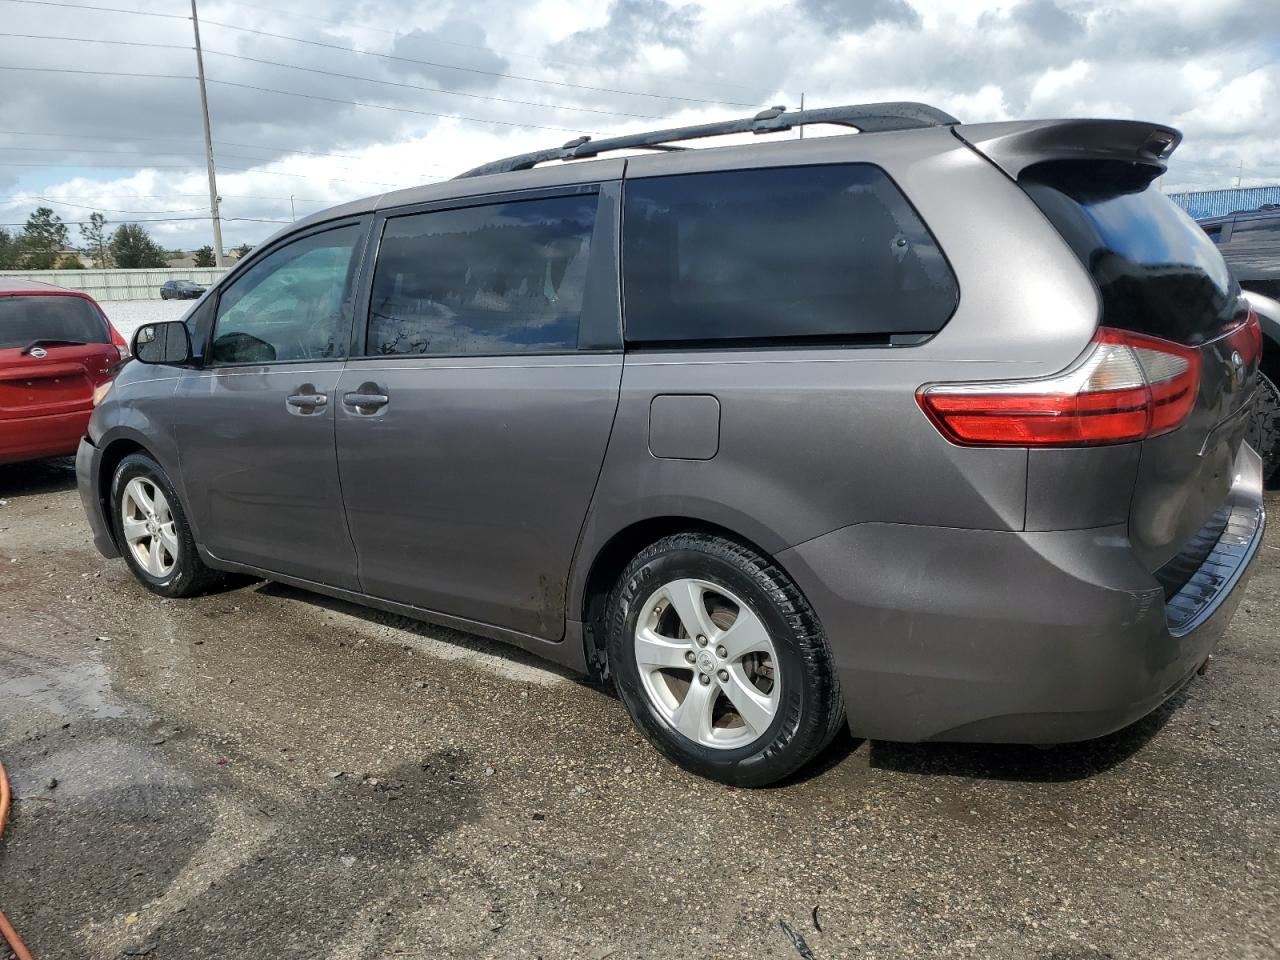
(707, 664)
(149, 527)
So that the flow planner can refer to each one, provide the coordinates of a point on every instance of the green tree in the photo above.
(132, 248)
(204, 257)
(10, 252)
(43, 239)
(242, 251)
(97, 244)
(70, 262)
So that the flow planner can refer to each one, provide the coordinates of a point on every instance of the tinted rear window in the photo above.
(797, 253)
(24, 319)
(1157, 271)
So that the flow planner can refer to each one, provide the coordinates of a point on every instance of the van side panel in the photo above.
(815, 439)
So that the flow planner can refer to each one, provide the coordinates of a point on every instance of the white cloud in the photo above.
(1207, 65)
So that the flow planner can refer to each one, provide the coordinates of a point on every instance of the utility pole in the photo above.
(802, 111)
(208, 144)
(1240, 173)
(292, 213)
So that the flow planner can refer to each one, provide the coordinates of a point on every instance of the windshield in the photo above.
(24, 319)
(1157, 272)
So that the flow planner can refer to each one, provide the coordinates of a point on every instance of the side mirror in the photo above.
(168, 343)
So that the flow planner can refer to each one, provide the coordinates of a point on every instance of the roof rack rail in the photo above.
(866, 117)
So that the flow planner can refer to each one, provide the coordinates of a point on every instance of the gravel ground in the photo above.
(261, 773)
(128, 315)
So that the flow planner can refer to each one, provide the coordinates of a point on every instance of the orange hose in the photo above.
(6, 928)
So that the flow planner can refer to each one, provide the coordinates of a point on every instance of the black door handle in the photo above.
(365, 400)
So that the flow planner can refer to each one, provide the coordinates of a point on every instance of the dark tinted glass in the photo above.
(1157, 271)
(832, 252)
(499, 279)
(290, 305)
(1254, 253)
(1269, 228)
(24, 319)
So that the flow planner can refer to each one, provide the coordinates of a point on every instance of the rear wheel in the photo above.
(1264, 427)
(153, 532)
(720, 660)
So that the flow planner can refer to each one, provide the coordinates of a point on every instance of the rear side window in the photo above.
(499, 279)
(25, 319)
(827, 253)
(1157, 271)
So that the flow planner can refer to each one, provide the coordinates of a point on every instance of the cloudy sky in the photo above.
(325, 100)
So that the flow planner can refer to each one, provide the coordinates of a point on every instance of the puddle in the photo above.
(66, 690)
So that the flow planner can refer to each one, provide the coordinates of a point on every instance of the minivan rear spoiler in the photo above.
(1016, 145)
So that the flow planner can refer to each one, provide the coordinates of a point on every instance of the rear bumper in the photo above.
(88, 480)
(1024, 637)
(33, 438)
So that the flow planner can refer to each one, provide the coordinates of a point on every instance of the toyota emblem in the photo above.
(39, 352)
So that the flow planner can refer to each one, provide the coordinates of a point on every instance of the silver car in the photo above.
(933, 430)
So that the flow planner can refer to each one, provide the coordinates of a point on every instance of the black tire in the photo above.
(1264, 427)
(810, 710)
(189, 575)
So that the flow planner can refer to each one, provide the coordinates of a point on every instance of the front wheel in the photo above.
(152, 530)
(721, 661)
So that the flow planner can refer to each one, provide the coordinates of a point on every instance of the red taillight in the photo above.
(119, 342)
(1126, 387)
(1246, 337)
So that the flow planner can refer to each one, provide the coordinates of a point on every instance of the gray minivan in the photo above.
(933, 430)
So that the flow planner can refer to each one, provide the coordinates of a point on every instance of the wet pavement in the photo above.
(262, 773)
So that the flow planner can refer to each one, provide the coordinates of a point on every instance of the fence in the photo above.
(117, 284)
(1216, 203)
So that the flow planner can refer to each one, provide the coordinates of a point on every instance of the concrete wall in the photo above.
(104, 285)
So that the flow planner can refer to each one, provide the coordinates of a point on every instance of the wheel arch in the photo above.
(612, 557)
(115, 447)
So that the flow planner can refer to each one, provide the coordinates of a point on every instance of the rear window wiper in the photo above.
(52, 342)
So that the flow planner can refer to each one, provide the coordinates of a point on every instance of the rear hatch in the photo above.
(1159, 275)
(54, 351)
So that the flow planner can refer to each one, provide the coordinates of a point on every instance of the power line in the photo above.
(225, 143)
(163, 153)
(171, 196)
(118, 43)
(290, 93)
(76, 223)
(544, 61)
(187, 166)
(389, 56)
(477, 70)
(90, 206)
(342, 76)
(452, 93)
(86, 6)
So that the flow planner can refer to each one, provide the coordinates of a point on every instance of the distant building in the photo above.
(1217, 203)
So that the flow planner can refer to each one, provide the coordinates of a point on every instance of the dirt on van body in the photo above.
(262, 773)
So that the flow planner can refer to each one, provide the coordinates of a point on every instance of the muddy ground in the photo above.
(266, 774)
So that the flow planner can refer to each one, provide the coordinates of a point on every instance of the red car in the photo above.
(56, 349)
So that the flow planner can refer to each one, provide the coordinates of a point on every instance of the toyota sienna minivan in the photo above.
(933, 430)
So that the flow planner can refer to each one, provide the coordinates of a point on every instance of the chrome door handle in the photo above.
(307, 400)
(365, 402)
